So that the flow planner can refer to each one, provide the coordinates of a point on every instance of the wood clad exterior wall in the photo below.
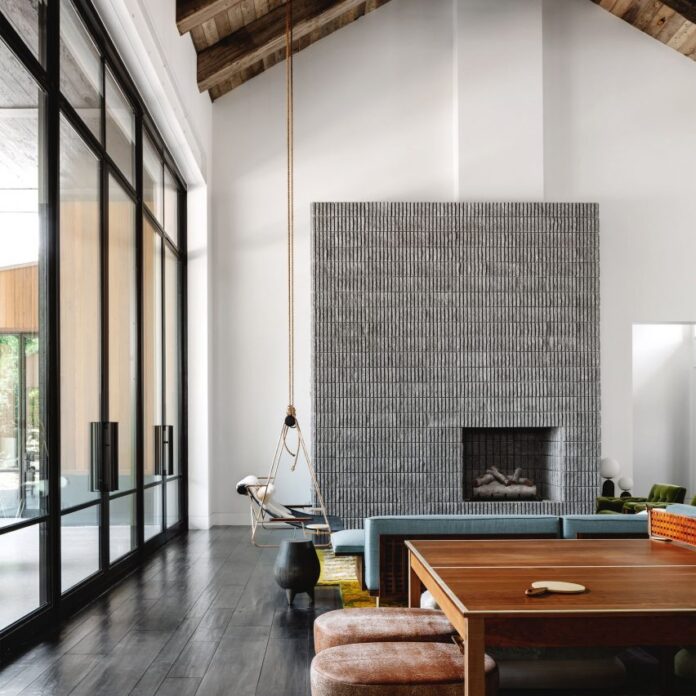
(19, 300)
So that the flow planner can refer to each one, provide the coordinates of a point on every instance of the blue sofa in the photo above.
(383, 560)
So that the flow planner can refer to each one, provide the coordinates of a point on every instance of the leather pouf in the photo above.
(346, 626)
(297, 568)
(394, 669)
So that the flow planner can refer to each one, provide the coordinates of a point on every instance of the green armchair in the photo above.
(661, 495)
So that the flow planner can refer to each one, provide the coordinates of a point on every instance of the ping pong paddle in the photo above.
(542, 587)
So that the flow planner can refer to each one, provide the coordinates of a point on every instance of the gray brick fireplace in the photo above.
(441, 329)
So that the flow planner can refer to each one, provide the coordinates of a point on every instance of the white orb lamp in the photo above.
(608, 469)
(625, 484)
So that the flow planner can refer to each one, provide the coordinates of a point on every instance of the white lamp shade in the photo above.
(609, 468)
(625, 483)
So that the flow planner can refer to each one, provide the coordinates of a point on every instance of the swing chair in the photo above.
(267, 514)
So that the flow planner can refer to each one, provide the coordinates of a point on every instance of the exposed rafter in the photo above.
(238, 39)
(673, 22)
(193, 13)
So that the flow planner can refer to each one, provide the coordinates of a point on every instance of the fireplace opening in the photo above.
(512, 464)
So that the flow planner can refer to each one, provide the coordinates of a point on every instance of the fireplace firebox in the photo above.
(512, 464)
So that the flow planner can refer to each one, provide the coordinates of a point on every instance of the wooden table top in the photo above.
(640, 576)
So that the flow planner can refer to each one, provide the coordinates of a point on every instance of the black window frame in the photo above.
(45, 69)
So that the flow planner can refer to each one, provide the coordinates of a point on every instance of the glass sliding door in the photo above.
(92, 365)
(23, 461)
(80, 353)
(123, 359)
(163, 346)
(152, 378)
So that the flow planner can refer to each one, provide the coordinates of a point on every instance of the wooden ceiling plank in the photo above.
(634, 10)
(660, 18)
(620, 7)
(647, 15)
(686, 8)
(249, 11)
(250, 44)
(198, 38)
(689, 44)
(192, 13)
(211, 32)
(681, 36)
(670, 28)
(222, 24)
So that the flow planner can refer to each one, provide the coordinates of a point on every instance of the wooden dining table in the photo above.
(639, 592)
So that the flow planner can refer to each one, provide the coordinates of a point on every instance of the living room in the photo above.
(438, 261)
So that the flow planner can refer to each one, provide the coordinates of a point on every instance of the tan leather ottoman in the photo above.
(394, 669)
(346, 626)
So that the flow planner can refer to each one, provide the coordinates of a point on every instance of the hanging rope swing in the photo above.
(266, 513)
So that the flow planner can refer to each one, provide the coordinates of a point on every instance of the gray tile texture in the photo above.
(430, 318)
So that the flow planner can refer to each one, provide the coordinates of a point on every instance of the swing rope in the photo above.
(291, 206)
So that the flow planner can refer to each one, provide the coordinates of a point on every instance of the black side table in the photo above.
(297, 568)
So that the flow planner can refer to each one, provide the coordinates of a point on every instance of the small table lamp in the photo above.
(625, 484)
(608, 469)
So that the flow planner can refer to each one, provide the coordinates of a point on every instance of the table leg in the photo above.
(474, 656)
(415, 586)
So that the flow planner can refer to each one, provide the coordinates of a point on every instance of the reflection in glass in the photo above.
(79, 546)
(153, 511)
(28, 18)
(80, 312)
(120, 127)
(122, 538)
(20, 576)
(171, 206)
(172, 345)
(153, 181)
(152, 344)
(22, 480)
(80, 68)
(122, 329)
(173, 513)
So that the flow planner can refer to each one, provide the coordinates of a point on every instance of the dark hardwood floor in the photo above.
(203, 616)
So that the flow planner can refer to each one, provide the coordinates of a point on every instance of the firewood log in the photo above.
(483, 480)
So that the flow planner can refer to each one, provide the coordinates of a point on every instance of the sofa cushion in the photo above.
(389, 625)
(394, 669)
(447, 525)
(348, 541)
(681, 509)
(603, 524)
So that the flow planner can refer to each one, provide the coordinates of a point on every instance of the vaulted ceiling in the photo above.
(239, 39)
(673, 22)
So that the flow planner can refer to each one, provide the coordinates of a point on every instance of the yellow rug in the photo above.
(341, 571)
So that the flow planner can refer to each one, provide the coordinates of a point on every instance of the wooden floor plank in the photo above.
(203, 616)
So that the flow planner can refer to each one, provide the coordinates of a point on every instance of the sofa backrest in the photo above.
(449, 525)
(666, 493)
(604, 526)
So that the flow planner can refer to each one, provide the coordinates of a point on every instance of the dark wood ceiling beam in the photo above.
(192, 13)
(263, 37)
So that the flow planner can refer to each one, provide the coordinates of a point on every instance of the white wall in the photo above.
(163, 66)
(663, 366)
(620, 129)
(566, 102)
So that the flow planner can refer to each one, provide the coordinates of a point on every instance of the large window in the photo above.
(92, 314)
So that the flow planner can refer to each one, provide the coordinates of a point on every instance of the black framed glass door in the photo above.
(92, 252)
(163, 341)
